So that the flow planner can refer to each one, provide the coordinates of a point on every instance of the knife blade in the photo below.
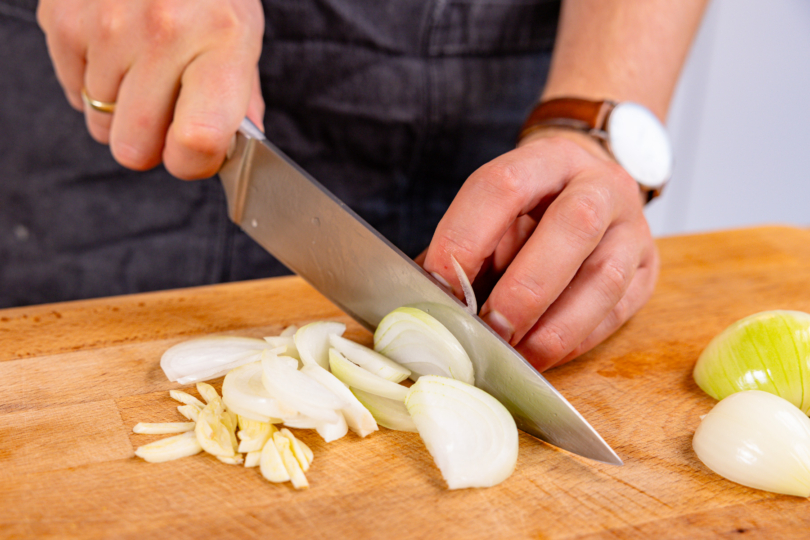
(322, 240)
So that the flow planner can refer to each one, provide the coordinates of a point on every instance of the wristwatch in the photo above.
(630, 132)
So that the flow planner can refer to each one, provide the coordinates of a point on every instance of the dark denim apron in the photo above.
(389, 103)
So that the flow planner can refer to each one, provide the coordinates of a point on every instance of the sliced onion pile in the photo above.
(313, 378)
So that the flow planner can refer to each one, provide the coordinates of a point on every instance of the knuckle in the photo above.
(504, 177)
(615, 276)
(527, 289)
(555, 341)
(203, 139)
(584, 214)
(111, 22)
(163, 22)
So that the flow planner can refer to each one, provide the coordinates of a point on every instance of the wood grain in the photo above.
(77, 376)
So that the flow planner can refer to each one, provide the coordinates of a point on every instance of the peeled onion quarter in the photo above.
(758, 440)
(471, 436)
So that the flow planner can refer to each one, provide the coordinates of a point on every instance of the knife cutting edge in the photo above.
(322, 240)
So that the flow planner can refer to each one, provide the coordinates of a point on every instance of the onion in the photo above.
(312, 341)
(466, 286)
(299, 391)
(209, 357)
(288, 342)
(357, 377)
(389, 413)
(758, 440)
(422, 344)
(369, 359)
(244, 393)
(766, 351)
(471, 436)
(358, 418)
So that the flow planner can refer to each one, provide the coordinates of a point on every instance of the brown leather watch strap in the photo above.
(573, 113)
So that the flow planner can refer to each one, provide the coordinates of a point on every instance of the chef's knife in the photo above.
(322, 240)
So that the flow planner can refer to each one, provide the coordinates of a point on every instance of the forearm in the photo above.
(622, 50)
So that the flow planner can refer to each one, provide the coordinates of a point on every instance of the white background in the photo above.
(740, 122)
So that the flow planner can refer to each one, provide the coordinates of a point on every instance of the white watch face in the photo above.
(640, 144)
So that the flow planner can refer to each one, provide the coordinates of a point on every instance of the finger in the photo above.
(255, 110)
(144, 112)
(491, 200)
(591, 300)
(639, 291)
(509, 246)
(102, 78)
(570, 230)
(66, 47)
(214, 94)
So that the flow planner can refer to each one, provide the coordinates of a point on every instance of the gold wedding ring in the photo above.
(100, 106)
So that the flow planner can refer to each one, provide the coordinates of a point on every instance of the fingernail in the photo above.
(500, 324)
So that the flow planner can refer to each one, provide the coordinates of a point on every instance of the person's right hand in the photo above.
(182, 73)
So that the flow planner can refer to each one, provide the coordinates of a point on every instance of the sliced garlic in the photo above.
(236, 460)
(185, 398)
(207, 391)
(271, 464)
(297, 450)
(252, 459)
(163, 428)
(213, 435)
(297, 477)
(192, 412)
(253, 434)
(170, 448)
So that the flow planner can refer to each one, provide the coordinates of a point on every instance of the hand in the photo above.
(561, 228)
(182, 73)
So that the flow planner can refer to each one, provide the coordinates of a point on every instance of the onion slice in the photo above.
(358, 418)
(312, 341)
(471, 436)
(369, 359)
(244, 393)
(206, 358)
(422, 344)
(466, 286)
(299, 391)
(758, 440)
(388, 413)
(357, 377)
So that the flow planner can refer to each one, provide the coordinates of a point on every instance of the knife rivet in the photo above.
(254, 223)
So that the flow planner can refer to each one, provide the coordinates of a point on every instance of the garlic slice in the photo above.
(252, 459)
(186, 398)
(170, 448)
(758, 440)
(253, 435)
(192, 412)
(271, 464)
(207, 392)
(297, 449)
(163, 428)
(297, 477)
(213, 435)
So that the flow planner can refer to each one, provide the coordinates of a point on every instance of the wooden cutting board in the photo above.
(76, 377)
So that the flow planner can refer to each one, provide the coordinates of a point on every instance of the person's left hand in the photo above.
(561, 228)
